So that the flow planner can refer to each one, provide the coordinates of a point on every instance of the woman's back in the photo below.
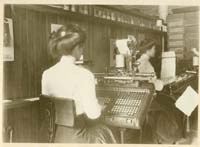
(67, 80)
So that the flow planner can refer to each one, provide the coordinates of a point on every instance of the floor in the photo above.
(133, 136)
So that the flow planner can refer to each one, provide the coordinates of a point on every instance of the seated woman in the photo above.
(147, 51)
(162, 119)
(67, 80)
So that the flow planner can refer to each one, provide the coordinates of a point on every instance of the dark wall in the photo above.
(22, 77)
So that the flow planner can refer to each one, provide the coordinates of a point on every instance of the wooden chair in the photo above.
(61, 112)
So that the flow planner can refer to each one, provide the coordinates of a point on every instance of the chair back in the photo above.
(64, 110)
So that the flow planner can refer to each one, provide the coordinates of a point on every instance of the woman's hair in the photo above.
(146, 44)
(65, 39)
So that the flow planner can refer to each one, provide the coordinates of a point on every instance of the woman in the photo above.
(162, 117)
(65, 79)
(148, 50)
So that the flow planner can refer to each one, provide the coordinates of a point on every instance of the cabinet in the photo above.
(183, 35)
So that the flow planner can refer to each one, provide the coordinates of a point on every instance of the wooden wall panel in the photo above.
(101, 46)
(22, 78)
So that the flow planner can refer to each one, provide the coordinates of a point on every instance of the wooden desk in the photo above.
(20, 120)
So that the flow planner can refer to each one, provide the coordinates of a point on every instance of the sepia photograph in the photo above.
(100, 74)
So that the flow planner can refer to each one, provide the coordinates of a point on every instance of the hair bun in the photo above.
(65, 39)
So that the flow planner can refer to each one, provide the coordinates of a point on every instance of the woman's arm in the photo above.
(87, 96)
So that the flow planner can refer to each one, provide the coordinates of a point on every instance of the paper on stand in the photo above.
(123, 47)
(168, 68)
(55, 27)
(119, 61)
(188, 101)
(195, 61)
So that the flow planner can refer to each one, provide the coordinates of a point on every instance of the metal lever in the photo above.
(122, 131)
(10, 132)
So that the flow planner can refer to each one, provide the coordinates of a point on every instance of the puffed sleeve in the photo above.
(87, 96)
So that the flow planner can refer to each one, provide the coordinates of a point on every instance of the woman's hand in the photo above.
(103, 107)
(158, 84)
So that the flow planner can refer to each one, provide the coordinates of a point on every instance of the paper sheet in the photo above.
(188, 101)
(122, 46)
(55, 27)
(168, 68)
(119, 61)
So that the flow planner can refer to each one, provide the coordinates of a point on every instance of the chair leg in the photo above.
(141, 135)
(54, 133)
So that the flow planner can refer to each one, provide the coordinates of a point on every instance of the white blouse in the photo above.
(146, 67)
(65, 79)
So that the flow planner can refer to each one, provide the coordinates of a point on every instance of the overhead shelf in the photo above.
(91, 16)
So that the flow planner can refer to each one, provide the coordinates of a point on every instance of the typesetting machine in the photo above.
(181, 82)
(125, 93)
(126, 98)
